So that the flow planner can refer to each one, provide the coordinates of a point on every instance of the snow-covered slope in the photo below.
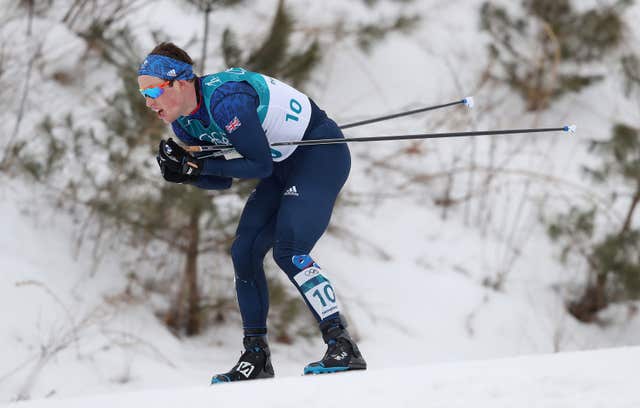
(70, 333)
(596, 379)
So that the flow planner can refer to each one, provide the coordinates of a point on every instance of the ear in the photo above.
(182, 84)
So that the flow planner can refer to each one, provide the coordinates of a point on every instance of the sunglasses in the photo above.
(154, 91)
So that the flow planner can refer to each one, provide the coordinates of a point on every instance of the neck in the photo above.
(192, 97)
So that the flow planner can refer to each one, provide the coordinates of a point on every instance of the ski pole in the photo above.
(224, 149)
(466, 101)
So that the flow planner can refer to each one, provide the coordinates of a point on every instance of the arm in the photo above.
(212, 182)
(247, 136)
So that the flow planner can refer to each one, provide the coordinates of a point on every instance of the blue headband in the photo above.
(166, 68)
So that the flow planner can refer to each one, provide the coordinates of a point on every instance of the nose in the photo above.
(150, 102)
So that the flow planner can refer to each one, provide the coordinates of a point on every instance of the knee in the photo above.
(290, 260)
(282, 256)
(241, 256)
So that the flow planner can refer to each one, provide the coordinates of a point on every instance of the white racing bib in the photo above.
(287, 117)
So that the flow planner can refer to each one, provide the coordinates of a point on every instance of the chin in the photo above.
(169, 118)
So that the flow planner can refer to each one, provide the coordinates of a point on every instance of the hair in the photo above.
(169, 49)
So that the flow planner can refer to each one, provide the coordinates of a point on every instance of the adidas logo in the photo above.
(172, 73)
(292, 191)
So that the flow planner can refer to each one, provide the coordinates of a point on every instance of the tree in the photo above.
(542, 53)
(610, 251)
(131, 200)
(185, 220)
(273, 57)
(206, 7)
(110, 173)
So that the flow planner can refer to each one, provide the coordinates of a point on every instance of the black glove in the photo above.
(176, 164)
(170, 174)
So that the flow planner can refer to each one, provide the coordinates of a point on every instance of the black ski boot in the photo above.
(342, 354)
(254, 363)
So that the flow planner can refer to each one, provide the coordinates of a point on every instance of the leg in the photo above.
(310, 193)
(312, 186)
(254, 238)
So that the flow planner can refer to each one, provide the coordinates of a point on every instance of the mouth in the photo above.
(159, 112)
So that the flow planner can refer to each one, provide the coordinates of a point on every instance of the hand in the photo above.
(170, 174)
(172, 158)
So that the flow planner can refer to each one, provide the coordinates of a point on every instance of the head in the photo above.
(166, 77)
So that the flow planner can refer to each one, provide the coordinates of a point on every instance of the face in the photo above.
(173, 102)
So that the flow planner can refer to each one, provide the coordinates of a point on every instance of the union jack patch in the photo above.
(233, 125)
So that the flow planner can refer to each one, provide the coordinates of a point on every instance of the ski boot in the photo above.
(254, 363)
(342, 354)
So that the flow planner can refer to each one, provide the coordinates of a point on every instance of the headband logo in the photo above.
(172, 73)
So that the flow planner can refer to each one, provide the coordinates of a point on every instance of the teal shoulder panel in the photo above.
(213, 133)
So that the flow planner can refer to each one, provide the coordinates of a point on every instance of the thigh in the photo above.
(260, 210)
(310, 192)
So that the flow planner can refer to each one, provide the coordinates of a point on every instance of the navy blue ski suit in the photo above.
(290, 208)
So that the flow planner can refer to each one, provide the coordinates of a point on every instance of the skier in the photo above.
(289, 209)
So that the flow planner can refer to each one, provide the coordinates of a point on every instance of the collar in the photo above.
(196, 83)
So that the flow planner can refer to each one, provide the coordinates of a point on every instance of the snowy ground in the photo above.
(70, 333)
(552, 381)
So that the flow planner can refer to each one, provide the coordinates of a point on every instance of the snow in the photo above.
(412, 313)
(413, 282)
(596, 379)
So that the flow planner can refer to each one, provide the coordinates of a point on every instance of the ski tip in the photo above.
(468, 101)
(570, 128)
